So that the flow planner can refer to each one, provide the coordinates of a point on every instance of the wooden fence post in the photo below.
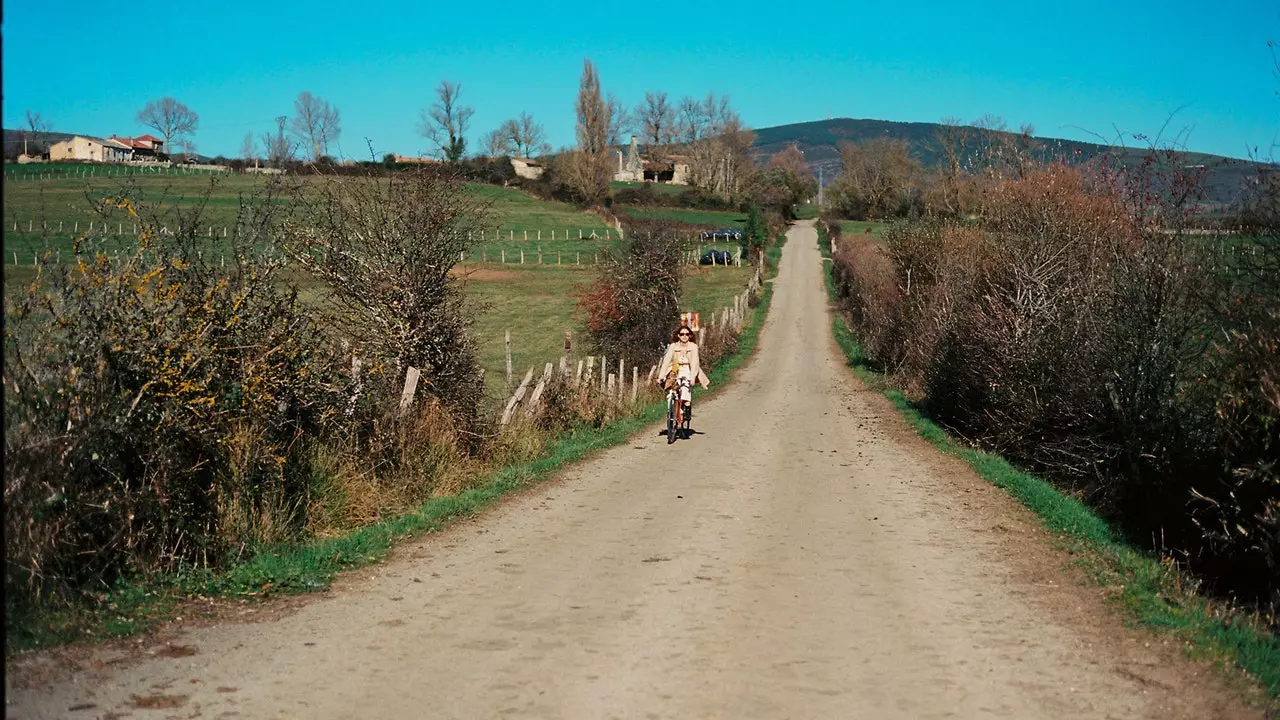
(588, 378)
(604, 372)
(622, 378)
(577, 378)
(635, 382)
(532, 405)
(515, 399)
(508, 360)
(410, 388)
(568, 350)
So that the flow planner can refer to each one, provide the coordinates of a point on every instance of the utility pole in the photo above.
(819, 187)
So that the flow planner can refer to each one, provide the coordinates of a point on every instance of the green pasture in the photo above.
(657, 188)
(51, 212)
(538, 304)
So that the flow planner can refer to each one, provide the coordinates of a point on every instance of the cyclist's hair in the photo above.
(692, 334)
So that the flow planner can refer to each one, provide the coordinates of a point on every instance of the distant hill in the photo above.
(820, 141)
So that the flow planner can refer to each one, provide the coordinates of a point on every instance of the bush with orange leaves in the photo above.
(1075, 329)
(631, 308)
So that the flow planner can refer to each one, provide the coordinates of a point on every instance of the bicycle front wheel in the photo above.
(671, 421)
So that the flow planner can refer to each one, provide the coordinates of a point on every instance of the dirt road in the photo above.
(803, 556)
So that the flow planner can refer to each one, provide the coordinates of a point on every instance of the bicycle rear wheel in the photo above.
(671, 420)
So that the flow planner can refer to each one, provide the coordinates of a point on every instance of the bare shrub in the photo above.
(717, 343)
(383, 247)
(633, 305)
(866, 289)
(1074, 328)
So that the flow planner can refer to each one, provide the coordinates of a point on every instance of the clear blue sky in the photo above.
(1070, 69)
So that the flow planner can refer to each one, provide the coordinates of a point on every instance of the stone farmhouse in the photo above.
(673, 169)
(527, 168)
(109, 150)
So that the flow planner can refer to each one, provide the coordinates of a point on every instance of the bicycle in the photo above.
(679, 413)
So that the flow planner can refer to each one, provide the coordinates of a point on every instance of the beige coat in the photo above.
(687, 354)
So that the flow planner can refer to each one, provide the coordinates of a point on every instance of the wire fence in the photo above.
(76, 172)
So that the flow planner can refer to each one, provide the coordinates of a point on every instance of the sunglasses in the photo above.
(682, 334)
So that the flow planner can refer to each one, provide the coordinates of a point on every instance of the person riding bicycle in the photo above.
(680, 362)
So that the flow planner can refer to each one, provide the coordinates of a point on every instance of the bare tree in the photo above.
(621, 122)
(279, 147)
(170, 118)
(656, 118)
(525, 135)
(498, 142)
(316, 123)
(1000, 152)
(36, 127)
(719, 113)
(248, 149)
(589, 166)
(721, 161)
(952, 143)
(791, 159)
(878, 179)
(691, 120)
(445, 122)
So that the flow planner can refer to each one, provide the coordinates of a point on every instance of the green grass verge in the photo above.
(312, 566)
(1150, 592)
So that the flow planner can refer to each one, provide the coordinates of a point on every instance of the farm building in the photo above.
(673, 169)
(143, 147)
(93, 149)
(527, 168)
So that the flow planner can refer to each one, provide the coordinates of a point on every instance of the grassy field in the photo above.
(534, 300)
(538, 304)
(657, 188)
(849, 228)
(62, 206)
(806, 211)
